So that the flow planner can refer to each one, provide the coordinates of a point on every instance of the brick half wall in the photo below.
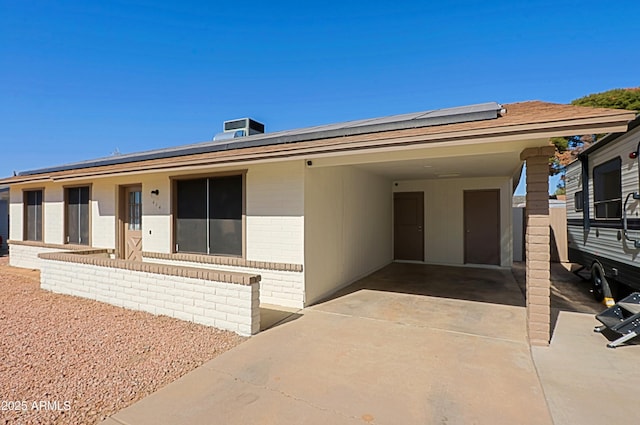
(25, 253)
(280, 284)
(229, 301)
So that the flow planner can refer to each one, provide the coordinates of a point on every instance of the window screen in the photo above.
(78, 215)
(225, 215)
(191, 216)
(209, 215)
(33, 215)
(607, 190)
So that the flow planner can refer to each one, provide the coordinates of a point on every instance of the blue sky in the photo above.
(80, 79)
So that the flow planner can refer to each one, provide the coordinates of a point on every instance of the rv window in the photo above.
(607, 189)
(209, 215)
(33, 215)
(578, 201)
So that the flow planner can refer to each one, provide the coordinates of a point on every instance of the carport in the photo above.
(441, 196)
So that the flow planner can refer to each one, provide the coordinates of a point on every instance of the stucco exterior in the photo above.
(347, 227)
(444, 214)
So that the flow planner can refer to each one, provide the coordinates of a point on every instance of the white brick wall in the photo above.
(156, 221)
(275, 212)
(27, 256)
(16, 212)
(103, 214)
(225, 306)
(276, 287)
(53, 210)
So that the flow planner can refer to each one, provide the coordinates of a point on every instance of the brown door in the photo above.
(408, 220)
(132, 222)
(482, 226)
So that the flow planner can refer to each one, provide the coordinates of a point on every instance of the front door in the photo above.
(132, 223)
(408, 222)
(482, 226)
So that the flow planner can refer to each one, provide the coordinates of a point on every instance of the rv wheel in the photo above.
(597, 282)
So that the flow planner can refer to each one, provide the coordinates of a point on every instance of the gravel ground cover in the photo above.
(67, 360)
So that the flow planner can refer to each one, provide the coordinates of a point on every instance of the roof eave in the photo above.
(598, 124)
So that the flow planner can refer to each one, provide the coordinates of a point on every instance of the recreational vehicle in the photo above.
(603, 212)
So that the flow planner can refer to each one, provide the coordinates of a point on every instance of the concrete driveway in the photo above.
(372, 355)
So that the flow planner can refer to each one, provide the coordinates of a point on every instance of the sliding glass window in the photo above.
(33, 215)
(77, 215)
(209, 215)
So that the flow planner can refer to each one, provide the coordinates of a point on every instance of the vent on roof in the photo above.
(239, 128)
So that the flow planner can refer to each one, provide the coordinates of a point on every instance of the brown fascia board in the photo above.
(597, 121)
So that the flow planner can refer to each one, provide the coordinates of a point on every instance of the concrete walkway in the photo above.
(371, 356)
(585, 382)
(412, 344)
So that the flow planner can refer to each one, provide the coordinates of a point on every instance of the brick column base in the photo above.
(537, 245)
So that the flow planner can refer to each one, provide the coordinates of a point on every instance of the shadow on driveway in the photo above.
(486, 285)
(391, 349)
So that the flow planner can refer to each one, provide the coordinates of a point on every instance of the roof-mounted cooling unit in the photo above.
(239, 128)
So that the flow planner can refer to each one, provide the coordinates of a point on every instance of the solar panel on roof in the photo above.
(479, 112)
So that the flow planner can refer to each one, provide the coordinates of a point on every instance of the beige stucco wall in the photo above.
(444, 216)
(347, 227)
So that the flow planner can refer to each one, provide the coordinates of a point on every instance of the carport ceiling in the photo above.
(491, 165)
(492, 156)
